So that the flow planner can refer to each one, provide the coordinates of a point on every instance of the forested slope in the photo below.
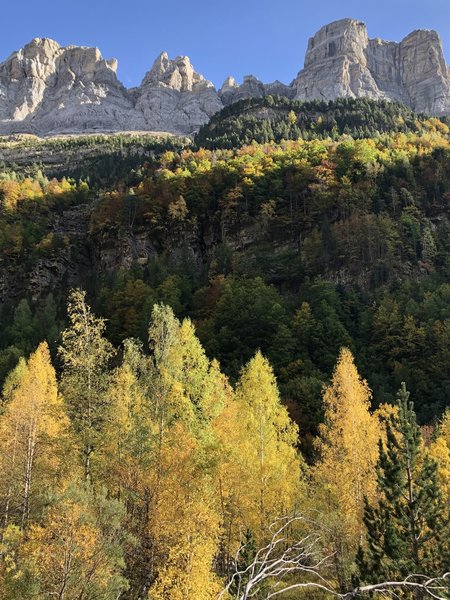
(295, 249)
(235, 356)
(274, 118)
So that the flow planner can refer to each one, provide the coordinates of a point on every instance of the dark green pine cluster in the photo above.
(274, 118)
(408, 531)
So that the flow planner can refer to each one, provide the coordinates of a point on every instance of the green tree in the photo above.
(408, 528)
(21, 332)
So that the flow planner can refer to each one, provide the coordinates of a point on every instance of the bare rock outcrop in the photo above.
(46, 89)
(341, 61)
(251, 87)
(174, 97)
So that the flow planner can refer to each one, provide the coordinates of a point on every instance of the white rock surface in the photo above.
(173, 97)
(47, 89)
(251, 87)
(341, 61)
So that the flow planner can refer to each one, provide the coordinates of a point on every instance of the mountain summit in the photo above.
(341, 61)
(47, 89)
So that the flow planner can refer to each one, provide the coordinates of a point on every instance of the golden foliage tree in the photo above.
(440, 452)
(186, 525)
(85, 354)
(33, 435)
(347, 449)
(75, 552)
(259, 475)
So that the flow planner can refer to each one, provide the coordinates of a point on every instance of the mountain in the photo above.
(341, 61)
(46, 89)
(173, 97)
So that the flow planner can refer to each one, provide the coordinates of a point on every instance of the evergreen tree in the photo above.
(21, 333)
(407, 530)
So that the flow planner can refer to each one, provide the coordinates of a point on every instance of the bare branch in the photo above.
(284, 558)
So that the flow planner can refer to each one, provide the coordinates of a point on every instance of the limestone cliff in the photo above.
(341, 61)
(47, 89)
(252, 87)
(174, 98)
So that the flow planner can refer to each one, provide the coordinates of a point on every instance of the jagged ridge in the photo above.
(47, 89)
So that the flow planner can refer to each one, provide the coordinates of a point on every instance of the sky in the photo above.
(266, 38)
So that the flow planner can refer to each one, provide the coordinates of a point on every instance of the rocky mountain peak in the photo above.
(174, 97)
(177, 74)
(230, 82)
(346, 37)
(49, 89)
(341, 61)
(46, 88)
(251, 87)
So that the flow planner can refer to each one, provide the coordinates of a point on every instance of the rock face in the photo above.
(173, 97)
(46, 89)
(341, 61)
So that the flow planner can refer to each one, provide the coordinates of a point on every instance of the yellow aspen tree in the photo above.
(33, 437)
(85, 355)
(260, 475)
(347, 449)
(76, 551)
(440, 452)
(188, 527)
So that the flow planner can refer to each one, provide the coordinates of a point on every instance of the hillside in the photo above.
(274, 118)
(101, 160)
(296, 249)
(222, 361)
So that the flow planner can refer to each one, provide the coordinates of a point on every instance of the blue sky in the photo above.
(222, 37)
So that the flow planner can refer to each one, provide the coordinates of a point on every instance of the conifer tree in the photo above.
(74, 553)
(407, 529)
(184, 523)
(440, 452)
(126, 458)
(259, 474)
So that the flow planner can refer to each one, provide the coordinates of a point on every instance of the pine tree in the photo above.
(21, 333)
(407, 529)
